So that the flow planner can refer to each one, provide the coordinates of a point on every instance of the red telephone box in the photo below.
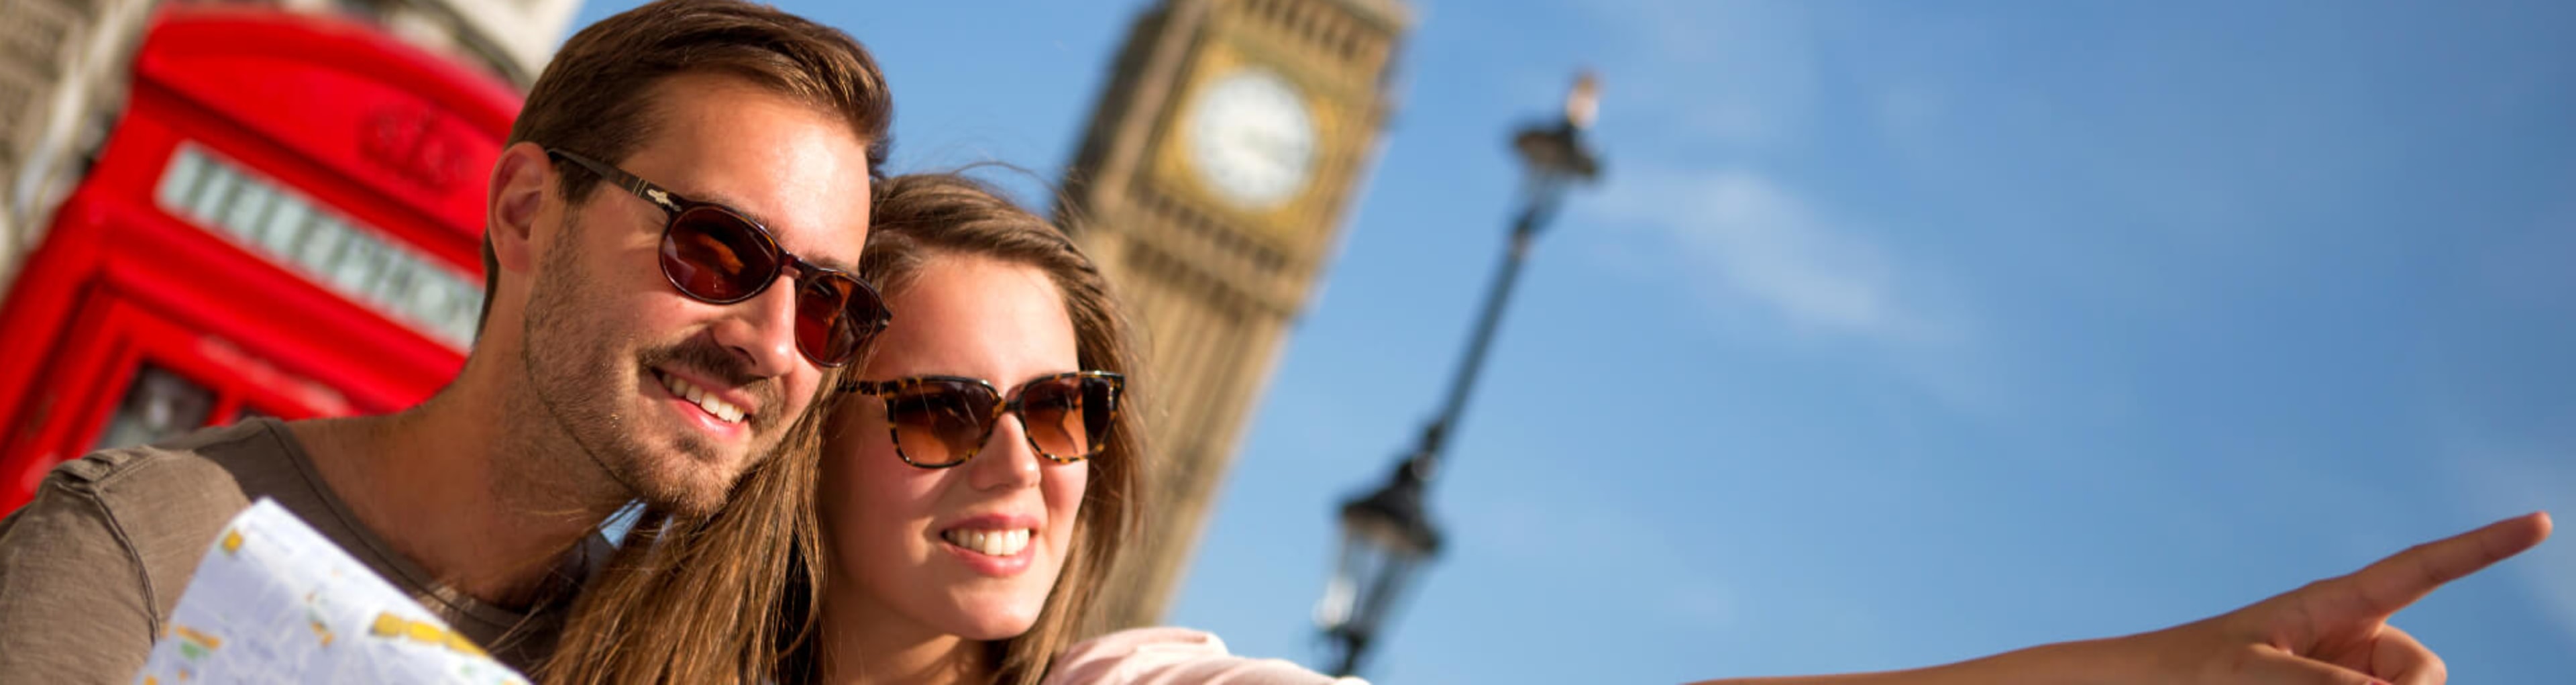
(287, 221)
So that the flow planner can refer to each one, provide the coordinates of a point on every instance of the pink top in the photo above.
(1171, 656)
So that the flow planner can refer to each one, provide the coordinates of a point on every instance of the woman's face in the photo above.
(919, 545)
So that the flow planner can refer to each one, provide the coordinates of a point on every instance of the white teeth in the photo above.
(686, 390)
(998, 543)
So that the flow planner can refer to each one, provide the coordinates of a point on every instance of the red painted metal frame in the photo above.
(394, 138)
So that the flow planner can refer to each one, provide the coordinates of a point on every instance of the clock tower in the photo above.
(1212, 185)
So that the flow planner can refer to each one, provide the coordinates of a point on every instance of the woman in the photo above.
(975, 476)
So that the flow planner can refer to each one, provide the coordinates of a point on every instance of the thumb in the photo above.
(2269, 665)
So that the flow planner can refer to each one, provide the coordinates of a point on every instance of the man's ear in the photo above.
(521, 183)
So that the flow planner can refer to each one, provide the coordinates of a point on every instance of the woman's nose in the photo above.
(1006, 460)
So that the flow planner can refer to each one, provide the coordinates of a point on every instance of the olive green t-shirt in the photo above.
(91, 568)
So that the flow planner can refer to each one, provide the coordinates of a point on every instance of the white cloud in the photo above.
(1730, 72)
(1746, 77)
(1750, 241)
(1750, 82)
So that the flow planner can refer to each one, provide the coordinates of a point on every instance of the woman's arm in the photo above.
(2063, 663)
(2331, 632)
(1173, 656)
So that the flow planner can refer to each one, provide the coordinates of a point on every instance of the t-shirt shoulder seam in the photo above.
(132, 462)
(125, 544)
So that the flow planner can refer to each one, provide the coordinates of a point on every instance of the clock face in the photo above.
(1251, 138)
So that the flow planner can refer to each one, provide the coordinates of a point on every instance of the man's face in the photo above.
(627, 366)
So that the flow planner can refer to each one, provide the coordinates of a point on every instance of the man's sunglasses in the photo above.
(941, 421)
(717, 255)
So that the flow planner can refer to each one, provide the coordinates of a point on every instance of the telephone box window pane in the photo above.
(394, 285)
(157, 406)
(428, 301)
(186, 168)
(464, 308)
(285, 225)
(249, 204)
(321, 244)
(461, 307)
(468, 319)
(362, 259)
(213, 193)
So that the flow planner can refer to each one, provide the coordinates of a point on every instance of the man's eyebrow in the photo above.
(729, 202)
(833, 263)
(735, 204)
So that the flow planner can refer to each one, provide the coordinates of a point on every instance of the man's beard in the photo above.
(574, 356)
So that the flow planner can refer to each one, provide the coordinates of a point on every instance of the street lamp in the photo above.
(1387, 535)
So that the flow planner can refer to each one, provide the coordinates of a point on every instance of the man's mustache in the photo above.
(709, 360)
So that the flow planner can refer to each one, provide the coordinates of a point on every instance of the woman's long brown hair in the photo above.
(732, 598)
(711, 600)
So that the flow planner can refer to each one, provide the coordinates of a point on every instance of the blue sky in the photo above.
(1900, 333)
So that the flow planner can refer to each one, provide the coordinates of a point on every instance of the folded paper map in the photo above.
(275, 602)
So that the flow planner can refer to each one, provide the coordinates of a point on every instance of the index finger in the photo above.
(2382, 588)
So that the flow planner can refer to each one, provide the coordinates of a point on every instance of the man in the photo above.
(652, 337)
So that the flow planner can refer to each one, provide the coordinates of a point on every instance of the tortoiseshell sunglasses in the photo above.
(718, 255)
(941, 421)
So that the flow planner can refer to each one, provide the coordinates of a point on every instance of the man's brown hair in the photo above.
(595, 98)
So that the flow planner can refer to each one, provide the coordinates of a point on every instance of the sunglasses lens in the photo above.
(939, 423)
(715, 256)
(836, 315)
(864, 313)
(823, 330)
(1068, 418)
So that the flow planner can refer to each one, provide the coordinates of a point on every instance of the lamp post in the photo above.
(1387, 536)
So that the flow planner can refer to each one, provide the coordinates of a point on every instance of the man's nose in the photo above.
(761, 331)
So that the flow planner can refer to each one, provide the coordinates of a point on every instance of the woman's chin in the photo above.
(996, 623)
